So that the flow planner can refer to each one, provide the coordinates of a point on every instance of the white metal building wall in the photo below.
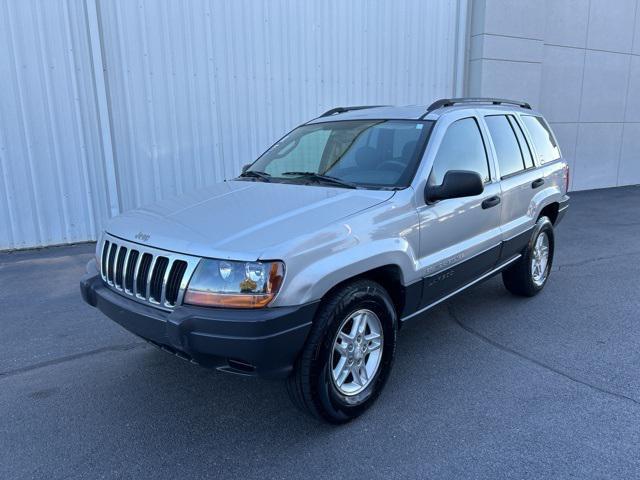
(194, 89)
(200, 88)
(52, 182)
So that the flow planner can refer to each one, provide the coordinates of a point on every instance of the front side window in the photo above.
(462, 148)
(506, 145)
(367, 153)
(542, 137)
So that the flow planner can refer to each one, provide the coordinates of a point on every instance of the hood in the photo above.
(238, 219)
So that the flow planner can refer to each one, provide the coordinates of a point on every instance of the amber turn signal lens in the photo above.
(276, 275)
(229, 300)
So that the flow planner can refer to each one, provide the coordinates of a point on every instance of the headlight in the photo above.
(225, 283)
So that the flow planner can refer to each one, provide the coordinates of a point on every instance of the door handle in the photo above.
(490, 202)
(537, 183)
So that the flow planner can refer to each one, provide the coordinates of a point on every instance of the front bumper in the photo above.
(263, 342)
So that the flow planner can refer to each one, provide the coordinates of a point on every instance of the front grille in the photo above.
(148, 275)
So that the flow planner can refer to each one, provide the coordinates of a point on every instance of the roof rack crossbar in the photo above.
(337, 110)
(449, 102)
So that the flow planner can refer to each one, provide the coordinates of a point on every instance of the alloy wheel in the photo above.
(540, 259)
(357, 351)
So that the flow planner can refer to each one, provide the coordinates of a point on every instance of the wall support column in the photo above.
(102, 104)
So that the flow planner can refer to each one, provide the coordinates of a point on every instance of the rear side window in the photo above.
(506, 145)
(524, 145)
(542, 137)
(462, 148)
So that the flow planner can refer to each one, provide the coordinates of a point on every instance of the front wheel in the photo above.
(348, 355)
(528, 276)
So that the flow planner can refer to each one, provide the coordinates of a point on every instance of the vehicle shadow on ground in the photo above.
(218, 402)
(219, 399)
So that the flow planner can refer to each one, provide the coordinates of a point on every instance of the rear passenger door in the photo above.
(519, 179)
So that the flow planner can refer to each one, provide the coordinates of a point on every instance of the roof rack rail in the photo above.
(449, 102)
(337, 110)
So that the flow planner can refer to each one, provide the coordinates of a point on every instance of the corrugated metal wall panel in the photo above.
(52, 187)
(198, 88)
(194, 89)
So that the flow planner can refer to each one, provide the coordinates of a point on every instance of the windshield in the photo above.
(366, 153)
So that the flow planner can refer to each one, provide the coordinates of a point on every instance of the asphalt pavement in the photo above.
(486, 385)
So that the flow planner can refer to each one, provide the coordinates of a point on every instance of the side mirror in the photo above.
(245, 167)
(456, 183)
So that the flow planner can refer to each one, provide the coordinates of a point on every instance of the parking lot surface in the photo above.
(486, 385)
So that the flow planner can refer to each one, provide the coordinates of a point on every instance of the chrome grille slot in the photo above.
(117, 281)
(145, 274)
(105, 255)
(113, 248)
(131, 268)
(157, 278)
(175, 278)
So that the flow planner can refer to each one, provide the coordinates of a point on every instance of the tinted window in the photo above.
(462, 148)
(394, 140)
(506, 144)
(542, 138)
(524, 145)
(304, 155)
(370, 153)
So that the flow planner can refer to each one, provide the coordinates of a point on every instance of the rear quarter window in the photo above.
(506, 144)
(543, 140)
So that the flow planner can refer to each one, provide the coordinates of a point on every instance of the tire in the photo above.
(312, 385)
(522, 278)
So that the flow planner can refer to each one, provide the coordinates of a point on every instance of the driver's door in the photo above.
(459, 237)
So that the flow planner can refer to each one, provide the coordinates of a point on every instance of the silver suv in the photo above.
(306, 265)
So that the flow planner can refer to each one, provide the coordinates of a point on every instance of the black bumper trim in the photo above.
(562, 208)
(266, 341)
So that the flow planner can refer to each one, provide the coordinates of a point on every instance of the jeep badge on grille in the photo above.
(142, 236)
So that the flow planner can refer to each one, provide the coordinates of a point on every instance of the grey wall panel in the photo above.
(199, 88)
(584, 78)
(52, 187)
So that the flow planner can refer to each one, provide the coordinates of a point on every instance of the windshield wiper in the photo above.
(323, 178)
(256, 174)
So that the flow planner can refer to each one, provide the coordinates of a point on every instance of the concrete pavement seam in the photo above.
(506, 349)
(69, 358)
(597, 259)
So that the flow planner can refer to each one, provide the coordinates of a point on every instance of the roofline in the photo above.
(335, 110)
(450, 102)
(421, 112)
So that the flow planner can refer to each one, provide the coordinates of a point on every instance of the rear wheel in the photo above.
(528, 276)
(348, 355)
